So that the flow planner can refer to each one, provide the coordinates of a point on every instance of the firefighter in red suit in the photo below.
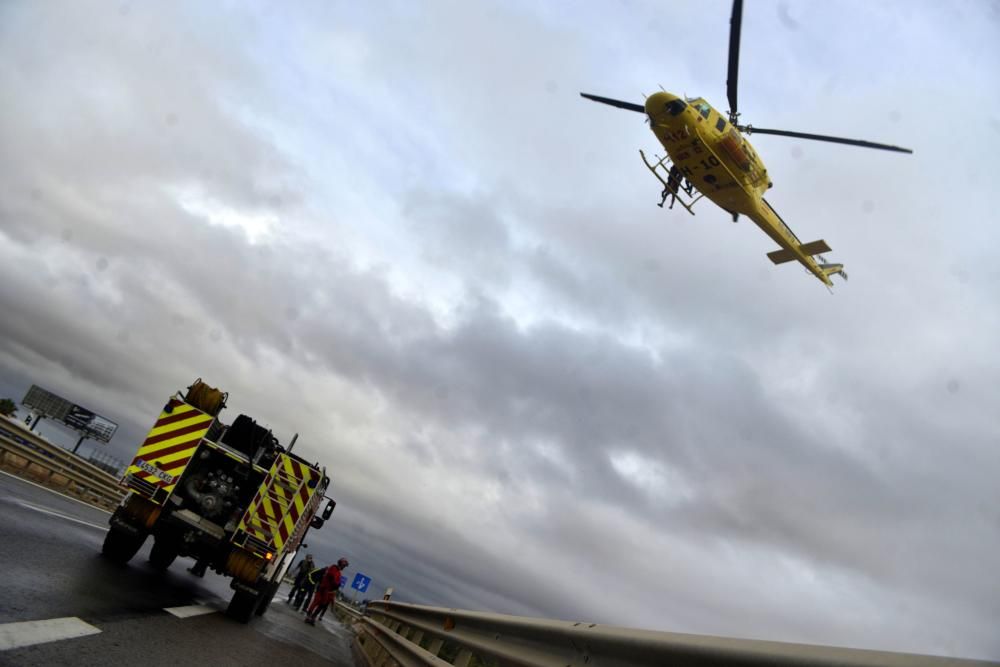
(327, 591)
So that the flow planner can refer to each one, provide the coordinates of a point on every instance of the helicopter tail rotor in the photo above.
(834, 270)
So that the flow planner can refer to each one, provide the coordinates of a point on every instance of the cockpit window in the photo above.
(703, 108)
(675, 107)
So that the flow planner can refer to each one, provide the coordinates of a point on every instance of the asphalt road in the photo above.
(61, 603)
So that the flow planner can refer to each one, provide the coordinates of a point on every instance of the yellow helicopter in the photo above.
(708, 155)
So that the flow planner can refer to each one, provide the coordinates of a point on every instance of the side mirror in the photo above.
(317, 522)
(328, 510)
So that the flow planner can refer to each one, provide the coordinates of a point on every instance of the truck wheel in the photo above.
(242, 606)
(162, 554)
(266, 596)
(120, 546)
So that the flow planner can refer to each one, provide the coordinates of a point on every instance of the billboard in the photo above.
(51, 406)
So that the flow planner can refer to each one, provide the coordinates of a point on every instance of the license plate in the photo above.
(154, 471)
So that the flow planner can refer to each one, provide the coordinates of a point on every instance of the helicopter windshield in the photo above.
(675, 107)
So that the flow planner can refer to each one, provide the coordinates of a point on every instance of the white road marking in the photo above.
(44, 510)
(28, 633)
(190, 610)
(45, 488)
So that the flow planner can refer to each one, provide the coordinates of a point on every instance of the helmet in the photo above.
(342, 563)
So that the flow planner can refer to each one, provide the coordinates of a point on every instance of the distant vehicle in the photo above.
(230, 497)
(709, 153)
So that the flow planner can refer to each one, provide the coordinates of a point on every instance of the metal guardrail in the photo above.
(346, 610)
(378, 645)
(394, 633)
(28, 455)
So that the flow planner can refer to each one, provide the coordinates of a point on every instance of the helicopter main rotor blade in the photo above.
(749, 129)
(615, 103)
(732, 76)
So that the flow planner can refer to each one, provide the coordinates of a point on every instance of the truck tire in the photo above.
(120, 546)
(162, 554)
(242, 606)
(265, 598)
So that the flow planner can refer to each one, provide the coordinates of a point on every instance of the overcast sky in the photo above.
(397, 230)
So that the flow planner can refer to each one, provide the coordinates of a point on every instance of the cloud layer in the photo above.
(403, 236)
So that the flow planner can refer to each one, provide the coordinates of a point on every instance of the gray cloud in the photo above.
(535, 393)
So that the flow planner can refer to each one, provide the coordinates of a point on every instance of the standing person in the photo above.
(300, 572)
(308, 586)
(327, 591)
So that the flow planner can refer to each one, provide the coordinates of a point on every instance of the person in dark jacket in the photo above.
(327, 591)
(300, 572)
(308, 586)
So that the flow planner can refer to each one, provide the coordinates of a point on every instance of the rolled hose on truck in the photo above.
(207, 399)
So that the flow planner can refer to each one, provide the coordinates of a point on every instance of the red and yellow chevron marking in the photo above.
(169, 446)
(280, 502)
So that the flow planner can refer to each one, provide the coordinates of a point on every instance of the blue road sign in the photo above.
(343, 582)
(361, 582)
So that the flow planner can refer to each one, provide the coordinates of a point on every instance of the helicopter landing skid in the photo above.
(675, 187)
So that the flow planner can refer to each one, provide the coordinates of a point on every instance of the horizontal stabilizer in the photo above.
(811, 248)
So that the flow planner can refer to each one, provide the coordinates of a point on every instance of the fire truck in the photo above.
(229, 496)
